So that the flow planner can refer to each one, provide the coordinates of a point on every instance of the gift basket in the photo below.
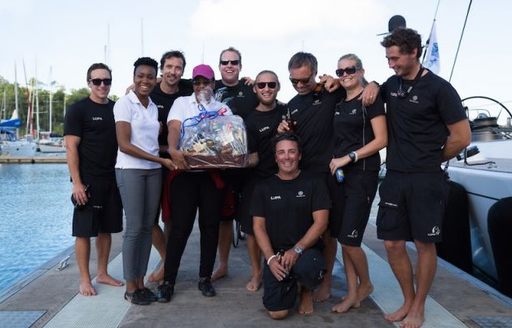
(214, 140)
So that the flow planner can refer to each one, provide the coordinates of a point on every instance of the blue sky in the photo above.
(68, 35)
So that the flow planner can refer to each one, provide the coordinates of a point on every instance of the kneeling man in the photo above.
(290, 212)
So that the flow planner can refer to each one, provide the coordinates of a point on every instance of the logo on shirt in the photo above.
(97, 118)
(265, 128)
(353, 234)
(436, 231)
(240, 94)
(300, 194)
(275, 197)
(414, 99)
(353, 112)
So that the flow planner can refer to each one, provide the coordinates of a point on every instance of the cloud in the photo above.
(274, 19)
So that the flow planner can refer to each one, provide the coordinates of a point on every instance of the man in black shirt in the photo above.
(261, 124)
(172, 86)
(238, 95)
(290, 212)
(90, 137)
(426, 126)
(312, 112)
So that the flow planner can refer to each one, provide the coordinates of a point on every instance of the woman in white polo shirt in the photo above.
(138, 175)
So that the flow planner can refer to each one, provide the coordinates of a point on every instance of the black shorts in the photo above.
(103, 212)
(308, 271)
(337, 194)
(245, 216)
(360, 190)
(234, 180)
(412, 206)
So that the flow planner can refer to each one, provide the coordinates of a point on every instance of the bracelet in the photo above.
(271, 258)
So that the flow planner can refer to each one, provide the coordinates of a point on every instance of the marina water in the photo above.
(35, 218)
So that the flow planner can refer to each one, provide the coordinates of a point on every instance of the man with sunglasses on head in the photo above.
(261, 124)
(426, 126)
(171, 86)
(90, 137)
(238, 94)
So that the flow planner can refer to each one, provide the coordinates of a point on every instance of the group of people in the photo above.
(310, 181)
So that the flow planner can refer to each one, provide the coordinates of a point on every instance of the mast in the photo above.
(50, 95)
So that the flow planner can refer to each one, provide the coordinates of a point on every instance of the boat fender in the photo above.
(456, 245)
(499, 226)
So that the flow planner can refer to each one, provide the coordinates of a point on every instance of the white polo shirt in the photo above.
(187, 107)
(144, 130)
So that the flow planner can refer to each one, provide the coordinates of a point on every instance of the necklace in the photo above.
(400, 93)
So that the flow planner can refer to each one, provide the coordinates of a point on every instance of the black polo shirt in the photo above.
(94, 124)
(417, 124)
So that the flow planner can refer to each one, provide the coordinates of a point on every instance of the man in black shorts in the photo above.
(426, 126)
(238, 95)
(312, 111)
(261, 124)
(90, 137)
(290, 212)
(172, 86)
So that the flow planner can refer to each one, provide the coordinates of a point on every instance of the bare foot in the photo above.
(323, 292)
(157, 275)
(413, 319)
(306, 303)
(109, 280)
(398, 315)
(220, 273)
(363, 292)
(346, 304)
(254, 284)
(87, 289)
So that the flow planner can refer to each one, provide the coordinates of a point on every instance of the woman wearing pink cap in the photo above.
(192, 190)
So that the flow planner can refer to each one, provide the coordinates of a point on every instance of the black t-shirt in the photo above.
(314, 114)
(261, 127)
(288, 206)
(417, 128)
(94, 124)
(164, 103)
(240, 98)
(353, 130)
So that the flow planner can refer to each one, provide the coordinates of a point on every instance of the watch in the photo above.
(298, 250)
(353, 156)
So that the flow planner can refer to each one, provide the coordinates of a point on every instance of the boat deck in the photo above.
(51, 299)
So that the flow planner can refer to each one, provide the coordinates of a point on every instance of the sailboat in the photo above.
(10, 145)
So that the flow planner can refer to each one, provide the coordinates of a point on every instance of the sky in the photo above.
(61, 38)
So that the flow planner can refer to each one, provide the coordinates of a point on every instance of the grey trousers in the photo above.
(140, 194)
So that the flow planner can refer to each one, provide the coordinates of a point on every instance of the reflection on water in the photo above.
(35, 217)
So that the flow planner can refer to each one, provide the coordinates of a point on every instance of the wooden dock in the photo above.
(33, 159)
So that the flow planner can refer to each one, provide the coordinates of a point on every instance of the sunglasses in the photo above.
(271, 85)
(303, 81)
(348, 70)
(97, 82)
(227, 62)
(201, 82)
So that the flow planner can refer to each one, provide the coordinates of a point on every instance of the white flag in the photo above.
(432, 56)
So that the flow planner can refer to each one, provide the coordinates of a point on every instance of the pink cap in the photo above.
(203, 70)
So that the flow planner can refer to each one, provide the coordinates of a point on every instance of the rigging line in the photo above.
(428, 40)
(460, 40)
